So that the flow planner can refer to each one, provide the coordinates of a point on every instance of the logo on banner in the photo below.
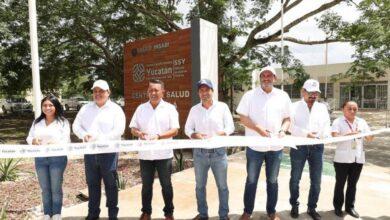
(138, 72)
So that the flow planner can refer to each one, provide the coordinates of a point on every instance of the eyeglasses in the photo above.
(313, 93)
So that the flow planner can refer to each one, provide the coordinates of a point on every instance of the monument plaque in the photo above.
(170, 57)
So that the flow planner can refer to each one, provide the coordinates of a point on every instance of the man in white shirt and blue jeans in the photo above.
(264, 111)
(154, 120)
(101, 121)
(310, 119)
(205, 120)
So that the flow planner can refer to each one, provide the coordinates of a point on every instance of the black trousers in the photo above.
(164, 170)
(344, 172)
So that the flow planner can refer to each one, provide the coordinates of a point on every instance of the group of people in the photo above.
(265, 111)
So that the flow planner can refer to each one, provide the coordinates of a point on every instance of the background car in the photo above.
(16, 105)
(74, 103)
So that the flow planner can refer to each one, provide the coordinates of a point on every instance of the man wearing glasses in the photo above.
(310, 119)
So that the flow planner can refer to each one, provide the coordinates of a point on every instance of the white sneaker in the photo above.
(46, 217)
(56, 217)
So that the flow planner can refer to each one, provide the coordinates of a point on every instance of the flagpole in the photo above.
(34, 57)
(282, 42)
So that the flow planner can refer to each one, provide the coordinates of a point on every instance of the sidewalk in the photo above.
(373, 195)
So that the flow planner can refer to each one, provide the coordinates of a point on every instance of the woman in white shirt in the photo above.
(349, 157)
(50, 127)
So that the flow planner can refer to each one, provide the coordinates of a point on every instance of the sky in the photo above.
(307, 30)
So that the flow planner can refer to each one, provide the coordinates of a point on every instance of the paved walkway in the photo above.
(373, 196)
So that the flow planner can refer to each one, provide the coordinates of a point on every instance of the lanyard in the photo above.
(351, 126)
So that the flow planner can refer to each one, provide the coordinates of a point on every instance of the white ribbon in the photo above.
(19, 151)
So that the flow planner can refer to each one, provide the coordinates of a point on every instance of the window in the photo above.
(329, 92)
(291, 90)
(368, 95)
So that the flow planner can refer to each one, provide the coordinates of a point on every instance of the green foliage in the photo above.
(370, 37)
(3, 211)
(179, 159)
(80, 40)
(9, 169)
(121, 181)
(76, 39)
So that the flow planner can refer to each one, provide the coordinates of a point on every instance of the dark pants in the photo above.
(164, 170)
(98, 167)
(344, 172)
(314, 155)
(254, 162)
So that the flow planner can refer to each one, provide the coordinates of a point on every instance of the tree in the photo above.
(76, 38)
(84, 38)
(371, 38)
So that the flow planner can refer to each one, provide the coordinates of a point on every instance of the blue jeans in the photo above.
(254, 162)
(98, 167)
(314, 156)
(50, 172)
(217, 160)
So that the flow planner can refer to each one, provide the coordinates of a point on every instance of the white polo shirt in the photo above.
(304, 121)
(209, 121)
(103, 124)
(57, 132)
(155, 121)
(345, 153)
(266, 109)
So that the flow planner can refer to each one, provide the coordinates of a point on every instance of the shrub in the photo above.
(9, 169)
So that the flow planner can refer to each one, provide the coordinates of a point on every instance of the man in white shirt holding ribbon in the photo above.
(264, 111)
(205, 120)
(310, 119)
(154, 120)
(101, 121)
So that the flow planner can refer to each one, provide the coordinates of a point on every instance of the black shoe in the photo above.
(294, 212)
(91, 218)
(352, 212)
(338, 212)
(314, 214)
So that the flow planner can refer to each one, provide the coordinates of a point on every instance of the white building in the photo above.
(369, 95)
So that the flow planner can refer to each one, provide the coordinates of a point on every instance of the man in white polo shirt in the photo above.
(264, 111)
(310, 119)
(205, 120)
(153, 120)
(101, 120)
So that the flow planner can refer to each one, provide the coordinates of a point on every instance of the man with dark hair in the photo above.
(154, 120)
(205, 120)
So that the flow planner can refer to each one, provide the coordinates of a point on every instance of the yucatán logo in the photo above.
(138, 72)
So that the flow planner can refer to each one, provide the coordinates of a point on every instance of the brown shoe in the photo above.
(169, 217)
(273, 216)
(198, 217)
(245, 216)
(144, 216)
